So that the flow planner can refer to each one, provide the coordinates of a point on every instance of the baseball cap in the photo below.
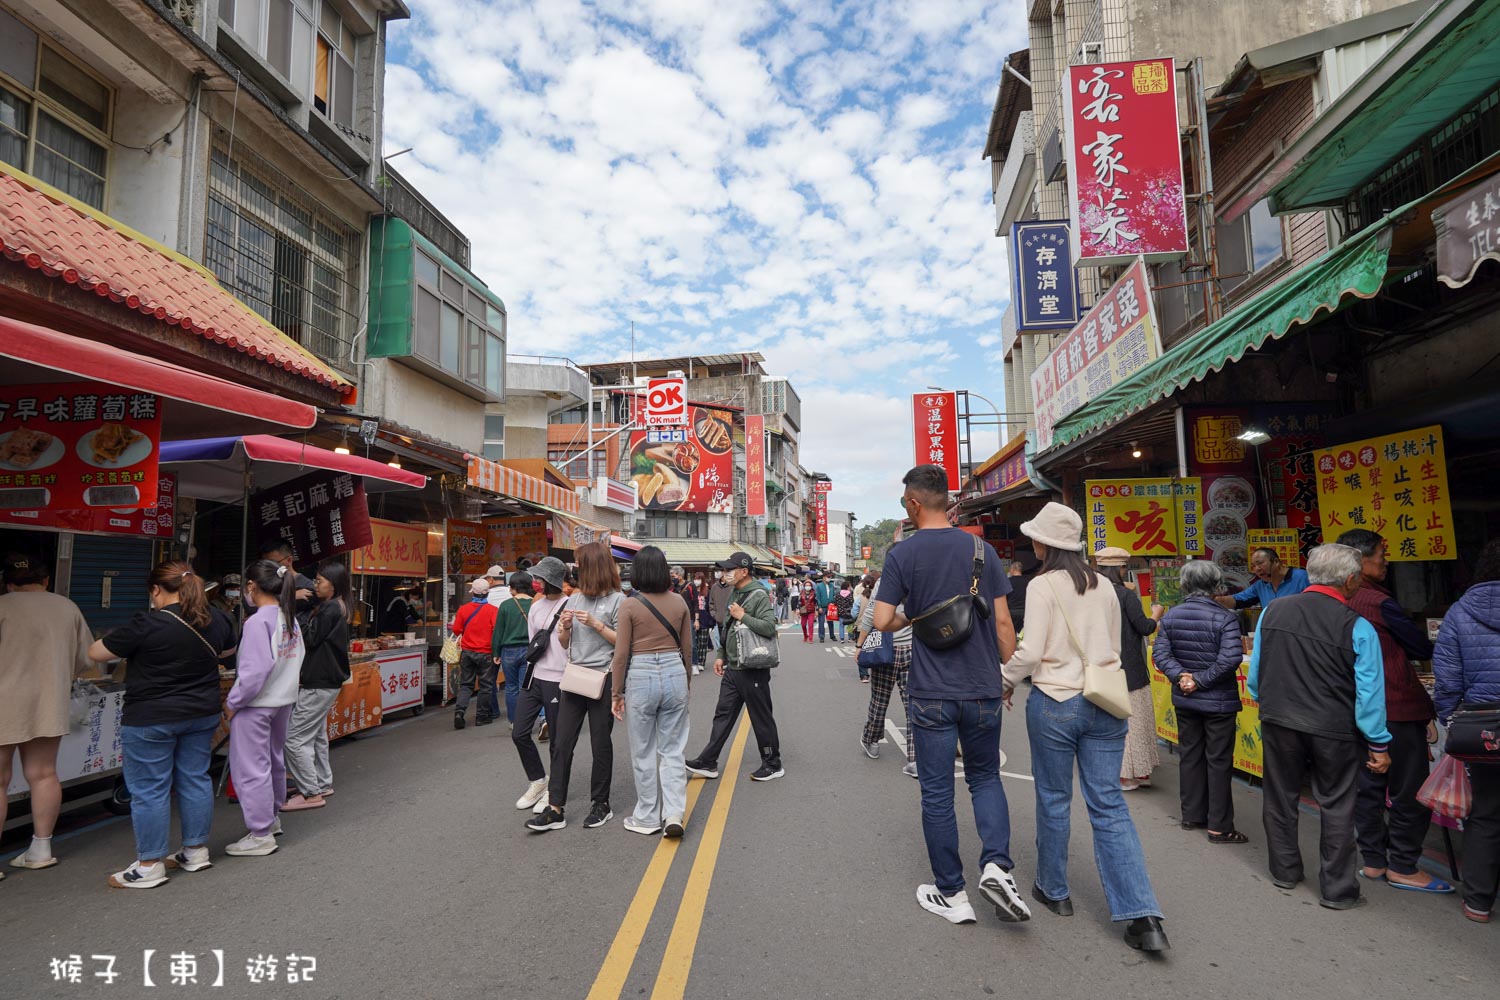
(230, 580)
(738, 560)
(495, 570)
(479, 586)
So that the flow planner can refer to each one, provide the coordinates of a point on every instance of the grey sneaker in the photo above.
(872, 750)
(910, 770)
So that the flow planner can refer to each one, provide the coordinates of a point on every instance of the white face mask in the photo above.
(232, 595)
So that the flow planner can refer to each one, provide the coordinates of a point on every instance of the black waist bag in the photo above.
(1474, 733)
(951, 622)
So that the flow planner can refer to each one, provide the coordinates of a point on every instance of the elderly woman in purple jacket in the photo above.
(1198, 647)
(1466, 667)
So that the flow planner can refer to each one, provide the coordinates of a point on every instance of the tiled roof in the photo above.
(62, 238)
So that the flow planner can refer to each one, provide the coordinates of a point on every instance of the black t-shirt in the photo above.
(174, 668)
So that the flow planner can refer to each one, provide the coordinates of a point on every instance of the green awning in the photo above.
(1446, 61)
(1357, 269)
(691, 552)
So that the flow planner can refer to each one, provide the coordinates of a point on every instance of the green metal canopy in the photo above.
(1447, 60)
(1357, 269)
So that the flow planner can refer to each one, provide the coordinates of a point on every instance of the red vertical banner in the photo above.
(1124, 157)
(822, 488)
(935, 432)
(755, 466)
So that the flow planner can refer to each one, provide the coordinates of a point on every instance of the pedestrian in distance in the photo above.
(653, 650)
(826, 590)
(496, 596)
(259, 706)
(783, 597)
(1466, 665)
(742, 685)
(508, 642)
(587, 631)
(1021, 572)
(1140, 742)
(807, 608)
(719, 595)
(1317, 673)
(474, 624)
(955, 693)
(696, 596)
(542, 618)
(1072, 624)
(843, 603)
(1389, 822)
(44, 644)
(172, 710)
(1199, 650)
(325, 668)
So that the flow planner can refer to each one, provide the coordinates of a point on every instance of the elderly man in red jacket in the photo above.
(1390, 837)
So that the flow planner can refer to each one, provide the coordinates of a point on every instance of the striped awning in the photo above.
(493, 477)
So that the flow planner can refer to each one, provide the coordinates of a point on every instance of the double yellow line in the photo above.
(672, 977)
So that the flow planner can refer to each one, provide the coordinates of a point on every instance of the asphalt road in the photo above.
(419, 881)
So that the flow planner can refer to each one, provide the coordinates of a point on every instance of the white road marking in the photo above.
(839, 651)
(894, 733)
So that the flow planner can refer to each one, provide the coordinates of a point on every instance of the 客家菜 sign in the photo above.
(1146, 517)
(1124, 158)
(1116, 339)
(1395, 486)
(1042, 280)
(935, 432)
(75, 445)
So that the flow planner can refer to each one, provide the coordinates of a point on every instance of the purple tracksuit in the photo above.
(264, 693)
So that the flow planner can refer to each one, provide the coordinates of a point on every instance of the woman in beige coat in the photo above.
(44, 644)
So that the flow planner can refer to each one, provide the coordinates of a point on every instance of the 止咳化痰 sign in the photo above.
(1395, 486)
(1145, 517)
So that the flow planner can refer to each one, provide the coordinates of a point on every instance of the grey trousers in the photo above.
(307, 741)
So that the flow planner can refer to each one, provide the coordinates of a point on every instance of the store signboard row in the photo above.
(1124, 159)
(1146, 517)
(1116, 339)
(78, 445)
(475, 546)
(934, 417)
(1396, 486)
(1010, 472)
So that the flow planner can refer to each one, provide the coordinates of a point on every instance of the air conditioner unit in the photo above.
(676, 374)
(640, 529)
(641, 380)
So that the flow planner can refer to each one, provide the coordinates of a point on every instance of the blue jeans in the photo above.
(938, 728)
(162, 759)
(513, 662)
(1075, 730)
(656, 713)
(822, 622)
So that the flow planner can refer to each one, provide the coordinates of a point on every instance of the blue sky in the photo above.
(801, 179)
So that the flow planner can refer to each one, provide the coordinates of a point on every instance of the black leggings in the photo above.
(566, 728)
(542, 695)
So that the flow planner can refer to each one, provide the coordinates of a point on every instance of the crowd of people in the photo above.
(1330, 663)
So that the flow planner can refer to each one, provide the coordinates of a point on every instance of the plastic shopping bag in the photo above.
(1446, 791)
(80, 704)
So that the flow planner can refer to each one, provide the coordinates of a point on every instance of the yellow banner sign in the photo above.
(1146, 517)
(1249, 753)
(394, 550)
(1396, 486)
(1283, 541)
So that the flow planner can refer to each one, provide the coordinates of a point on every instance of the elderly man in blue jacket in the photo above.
(1320, 679)
(826, 590)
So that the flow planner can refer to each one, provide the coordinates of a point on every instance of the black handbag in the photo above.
(537, 648)
(1474, 733)
(950, 623)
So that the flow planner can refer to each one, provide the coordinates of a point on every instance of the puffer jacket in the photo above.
(1466, 660)
(1203, 639)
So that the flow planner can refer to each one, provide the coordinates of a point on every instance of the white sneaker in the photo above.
(540, 807)
(251, 846)
(955, 909)
(190, 859)
(139, 876)
(37, 856)
(635, 826)
(997, 886)
(276, 830)
(534, 793)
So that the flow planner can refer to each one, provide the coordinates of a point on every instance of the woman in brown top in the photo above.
(653, 649)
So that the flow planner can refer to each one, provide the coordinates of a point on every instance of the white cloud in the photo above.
(799, 178)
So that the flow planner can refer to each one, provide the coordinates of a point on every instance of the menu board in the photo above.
(76, 445)
(686, 468)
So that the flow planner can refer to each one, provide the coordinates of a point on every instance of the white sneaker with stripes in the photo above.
(955, 909)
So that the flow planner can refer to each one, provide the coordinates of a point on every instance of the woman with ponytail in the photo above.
(171, 713)
(260, 704)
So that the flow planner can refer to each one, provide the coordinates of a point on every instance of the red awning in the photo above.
(197, 404)
(215, 468)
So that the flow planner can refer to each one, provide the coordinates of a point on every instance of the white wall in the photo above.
(418, 402)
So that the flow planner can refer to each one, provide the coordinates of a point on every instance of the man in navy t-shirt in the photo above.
(955, 697)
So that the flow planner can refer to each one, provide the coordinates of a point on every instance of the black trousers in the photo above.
(1392, 837)
(749, 689)
(476, 667)
(566, 728)
(1334, 765)
(1481, 865)
(541, 696)
(1206, 742)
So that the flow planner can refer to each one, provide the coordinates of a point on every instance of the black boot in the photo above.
(1146, 934)
(1062, 907)
(458, 719)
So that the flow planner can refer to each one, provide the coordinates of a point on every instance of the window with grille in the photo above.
(281, 255)
(578, 466)
(54, 114)
(676, 525)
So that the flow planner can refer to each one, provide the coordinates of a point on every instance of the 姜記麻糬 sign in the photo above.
(320, 514)
(1043, 285)
(1116, 339)
(1124, 157)
(1395, 486)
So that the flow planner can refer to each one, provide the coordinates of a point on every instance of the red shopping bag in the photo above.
(1446, 791)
